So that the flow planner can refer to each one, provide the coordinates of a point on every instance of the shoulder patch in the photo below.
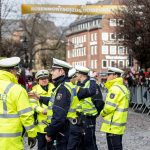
(58, 96)
(112, 95)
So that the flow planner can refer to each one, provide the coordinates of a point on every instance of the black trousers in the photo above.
(42, 143)
(114, 141)
(88, 140)
(75, 136)
(62, 138)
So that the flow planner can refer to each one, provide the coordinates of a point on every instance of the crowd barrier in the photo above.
(140, 98)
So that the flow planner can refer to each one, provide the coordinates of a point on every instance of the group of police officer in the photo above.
(64, 111)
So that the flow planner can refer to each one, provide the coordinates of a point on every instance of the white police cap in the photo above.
(9, 62)
(42, 74)
(72, 73)
(114, 70)
(60, 64)
(82, 69)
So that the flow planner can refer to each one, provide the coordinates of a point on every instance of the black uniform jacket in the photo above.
(62, 104)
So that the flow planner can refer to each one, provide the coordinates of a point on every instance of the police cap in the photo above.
(9, 62)
(42, 74)
(82, 69)
(114, 70)
(72, 73)
(60, 64)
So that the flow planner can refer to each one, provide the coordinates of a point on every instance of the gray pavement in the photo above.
(137, 136)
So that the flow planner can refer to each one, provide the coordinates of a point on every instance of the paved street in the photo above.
(137, 135)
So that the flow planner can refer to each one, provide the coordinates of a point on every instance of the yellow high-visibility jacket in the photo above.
(86, 105)
(15, 112)
(115, 111)
(73, 89)
(40, 107)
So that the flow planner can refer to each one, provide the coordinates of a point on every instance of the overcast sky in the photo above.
(59, 19)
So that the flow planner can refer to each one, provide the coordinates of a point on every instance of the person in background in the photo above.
(43, 88)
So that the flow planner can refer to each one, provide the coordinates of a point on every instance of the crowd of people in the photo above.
(60, 112)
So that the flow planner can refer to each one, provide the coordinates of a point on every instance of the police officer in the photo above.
(88, 109)
(115, 111)
(59, 126)
(43, 88)
(15, 110)
(76, 125)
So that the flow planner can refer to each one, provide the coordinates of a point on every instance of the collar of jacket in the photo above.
(110, 83)
(45, 88)
(60, 80)
(7, 76)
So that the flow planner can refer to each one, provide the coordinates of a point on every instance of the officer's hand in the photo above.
(33, 95)
(93, 74)
(31, 142)
(48, 139)
(44, 112)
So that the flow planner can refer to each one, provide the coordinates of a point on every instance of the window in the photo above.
(121, 50)
(93, 49)
(112, 22)
(104, 49)
(121, 63)
(95, 36)
(120, 36)
(120, 22)
(112, 36)
(93, 64)
(127, 63)
(92, 37)
(84, 38)
(112, 63)
(104, 63)
(112, 49)
(68, 54)
(84, 51)
(105, 36)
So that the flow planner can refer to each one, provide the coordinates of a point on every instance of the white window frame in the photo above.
(127, 63)
(84, 38)
(119, 23)
(122, 63)
(110, 36)
(84, 49)
(111, 63)
(112, 22)
(68, 54)
(119, 50)
(114, 50)
(105, 36)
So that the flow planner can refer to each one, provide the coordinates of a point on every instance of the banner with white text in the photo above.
(70, 9)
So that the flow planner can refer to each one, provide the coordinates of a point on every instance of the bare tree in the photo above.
(136, 29)
(7, 9)
(42, 35)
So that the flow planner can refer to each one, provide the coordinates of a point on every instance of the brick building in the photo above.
(92, 41)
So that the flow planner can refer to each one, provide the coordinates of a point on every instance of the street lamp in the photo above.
(25, 47)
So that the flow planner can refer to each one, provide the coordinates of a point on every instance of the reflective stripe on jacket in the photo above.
(74, 99)
(39, 108)
(86, 105)
(15, 112)
(115, 111)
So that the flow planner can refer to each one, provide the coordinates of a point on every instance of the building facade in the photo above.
(93, 42)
